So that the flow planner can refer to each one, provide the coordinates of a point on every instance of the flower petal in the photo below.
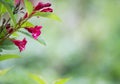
(20, 44)
(47, 10)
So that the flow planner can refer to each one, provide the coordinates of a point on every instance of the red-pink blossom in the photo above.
(41, 5)
(36, 31)
(20, 44)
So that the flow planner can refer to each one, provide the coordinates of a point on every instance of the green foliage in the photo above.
(7, 45)
(2, 6)
(29, 6)
(8, 56)
(27, 24)
(48, 15)
(62, 81)
(2, 9)
(2, 31)
(36, 78)
(41, 41)
(9, 7)
(15, 34)
(3, 72)
(39, 80)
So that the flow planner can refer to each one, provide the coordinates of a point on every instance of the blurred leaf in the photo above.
(0, 50)
(3, 72)
(2, 9)
(29, 6)
(27, 24)
(2, 31)
(9, 9)
(48, 15)
(10, 47)
(62, 81)
(15, 34)
(36, 78)
(40, 40)
(7, 44)
(8, 56)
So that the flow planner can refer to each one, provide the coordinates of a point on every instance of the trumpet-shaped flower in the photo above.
(36, 31)
(20, 44)
(41, 5)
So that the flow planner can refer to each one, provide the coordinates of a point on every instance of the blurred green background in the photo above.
(84, 46)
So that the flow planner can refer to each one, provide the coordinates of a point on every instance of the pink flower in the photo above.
(36, 31)
(41, 5)
(20, 44)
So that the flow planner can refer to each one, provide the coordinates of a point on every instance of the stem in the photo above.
(17, 27)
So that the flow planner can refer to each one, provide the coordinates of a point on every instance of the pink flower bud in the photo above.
(25, 16)
(9, 29)
(7, 26)
(41, 5)
(20, 44)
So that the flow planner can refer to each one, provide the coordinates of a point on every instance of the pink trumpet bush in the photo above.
(35, 31)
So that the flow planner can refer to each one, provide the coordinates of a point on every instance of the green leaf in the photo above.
(7, 45)
(8, 56)
(29, 6)
(10, 47)
(15, 34)
(40, 40)
(27, 24)
(48, 15)
(3, 72)
(2, 9)
(2, 31)
(9, 9)
(36, 78)
(62, 81)
(7, 42)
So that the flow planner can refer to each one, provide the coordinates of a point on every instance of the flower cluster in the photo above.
(35, 31)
